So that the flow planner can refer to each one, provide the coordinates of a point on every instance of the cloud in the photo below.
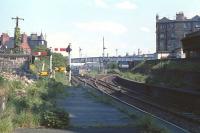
(105, 26)
(145, 29)
(127, 5)
(124, 5)
(101, 3)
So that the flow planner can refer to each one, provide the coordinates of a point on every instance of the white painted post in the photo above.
(4, 103)
(43, 64)
(69, 56)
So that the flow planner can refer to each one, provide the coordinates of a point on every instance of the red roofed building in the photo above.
(4, 39)
(24, 44)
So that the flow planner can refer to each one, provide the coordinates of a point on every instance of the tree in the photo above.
(17, 38)
(112, 65)
(40, 48)
(58, 60)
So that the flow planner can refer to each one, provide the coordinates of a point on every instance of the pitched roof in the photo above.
(164, 20)
(196, 17)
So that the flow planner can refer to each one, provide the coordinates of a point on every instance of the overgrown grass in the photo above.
(6, 125)
(146, 124)
(93, 73)
(61, 77)
(26, 105)
(134, 76)
(166, 73)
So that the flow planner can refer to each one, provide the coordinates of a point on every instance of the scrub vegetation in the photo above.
(32, 105)
(146, 124)
(165, 73)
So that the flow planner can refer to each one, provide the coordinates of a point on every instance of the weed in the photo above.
(147, 125)
(6, 125)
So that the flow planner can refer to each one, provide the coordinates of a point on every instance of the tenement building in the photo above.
(169, 34)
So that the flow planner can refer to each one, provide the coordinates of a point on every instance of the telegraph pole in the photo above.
(80, 54)
(17, 32)
(103, 54)
(116, 50)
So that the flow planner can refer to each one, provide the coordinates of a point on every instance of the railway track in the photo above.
(142, 103)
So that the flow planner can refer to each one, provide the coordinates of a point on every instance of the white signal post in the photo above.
(69, 57)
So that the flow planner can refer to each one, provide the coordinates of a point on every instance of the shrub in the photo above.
(27, 119)
(147, 125)
(55, 119)
(6, 125)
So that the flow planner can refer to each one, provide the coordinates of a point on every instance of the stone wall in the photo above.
(12, 63)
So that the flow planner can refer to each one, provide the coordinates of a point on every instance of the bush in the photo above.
(27, 119)
(6, 125)
(56, 119)
(147, 125)
(26, 105)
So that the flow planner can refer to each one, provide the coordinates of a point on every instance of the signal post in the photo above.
(68, 50)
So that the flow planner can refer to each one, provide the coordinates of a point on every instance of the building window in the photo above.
(173, 35)
(162, 47)
(197, 26)
(172, 25)
(162, 26)
(186, 25)
(162, 36)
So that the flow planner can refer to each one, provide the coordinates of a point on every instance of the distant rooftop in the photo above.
(179, 17)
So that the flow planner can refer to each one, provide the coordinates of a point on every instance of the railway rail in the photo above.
(143, 103)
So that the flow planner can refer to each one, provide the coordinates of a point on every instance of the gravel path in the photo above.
(86, 111)
(88, 115)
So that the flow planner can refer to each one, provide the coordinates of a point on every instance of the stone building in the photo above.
(35, 40)
(169, 34)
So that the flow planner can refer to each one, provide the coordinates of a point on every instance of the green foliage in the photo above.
(58, 60)
(61, 77)
(134, 76)
(39, 63)
(147, 125)
(26, 104)
(6, 125)
(27, 119)
(112, 65)
(40, 48)
(16, 85)
(56, 119)
(17, 39)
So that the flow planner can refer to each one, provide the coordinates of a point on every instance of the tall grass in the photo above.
(134, 76)
(6, 125)
(146, 124)
(26, 104)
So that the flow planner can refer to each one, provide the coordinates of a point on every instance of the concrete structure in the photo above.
(170, 32)
(191, 45)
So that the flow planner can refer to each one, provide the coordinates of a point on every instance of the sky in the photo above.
(126, 25)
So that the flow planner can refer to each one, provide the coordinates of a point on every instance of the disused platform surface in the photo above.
(89, 115)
